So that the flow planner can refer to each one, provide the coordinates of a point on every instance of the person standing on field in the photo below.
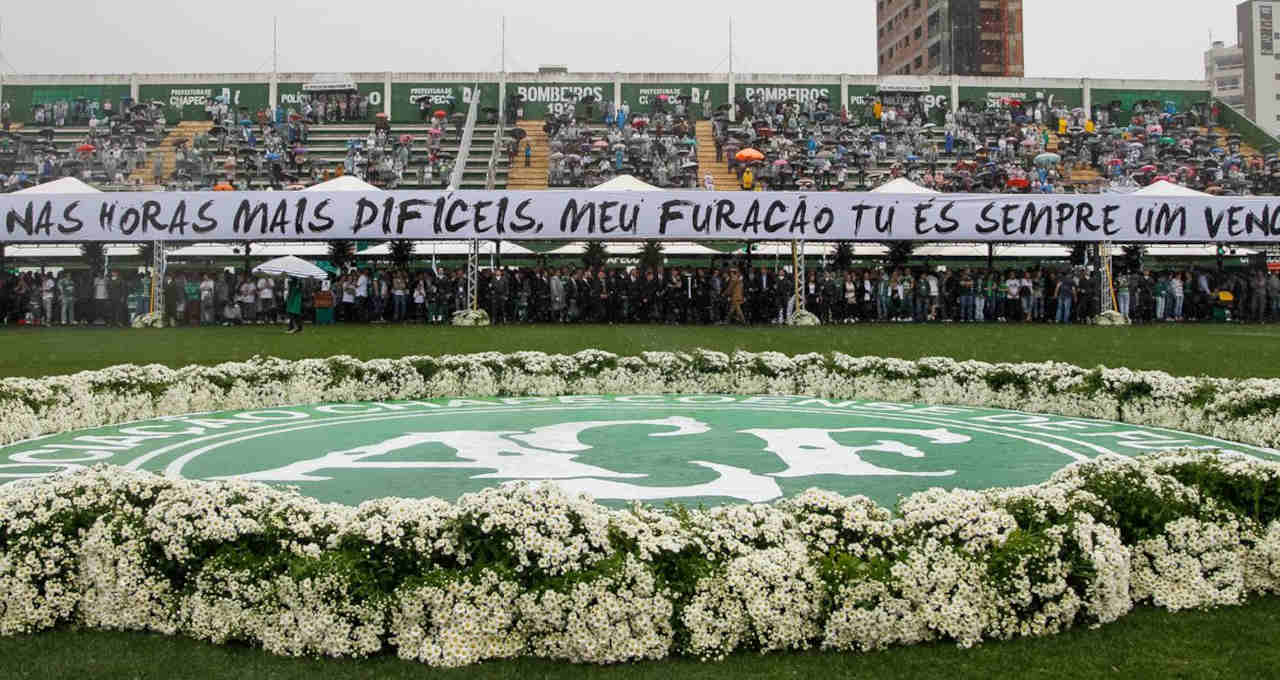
(736, 297)
(293, 305)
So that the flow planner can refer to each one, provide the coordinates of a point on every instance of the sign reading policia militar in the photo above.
(671, 215)
(709, 449)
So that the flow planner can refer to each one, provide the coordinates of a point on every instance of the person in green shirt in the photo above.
(191, 291)
(293, 305)
(1161, 294)
(67, 289)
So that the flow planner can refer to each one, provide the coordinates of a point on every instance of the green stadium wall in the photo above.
(186, 101)
(397, 93)
(289, 95)
(23, 98)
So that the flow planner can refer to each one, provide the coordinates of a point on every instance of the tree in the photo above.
(595, 255)
(1131, 261)
(899, 252)
(95, 255)
(1079, 253)
(147, 253)
(651, 256)
(341, 254)
(401, 254)
(843, 258)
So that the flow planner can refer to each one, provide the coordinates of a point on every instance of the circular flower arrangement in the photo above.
(527, 570)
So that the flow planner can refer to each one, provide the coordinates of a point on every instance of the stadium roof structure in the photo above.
(330, 82)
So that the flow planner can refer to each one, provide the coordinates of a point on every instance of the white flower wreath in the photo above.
(527, 570)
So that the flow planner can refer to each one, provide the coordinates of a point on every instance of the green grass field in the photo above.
(1236, 643)
(1226, 643)
(1228, 350)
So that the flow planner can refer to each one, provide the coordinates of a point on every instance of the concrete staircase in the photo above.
(534, 176)
(186, 130)
(1245, 150)
(724, 178)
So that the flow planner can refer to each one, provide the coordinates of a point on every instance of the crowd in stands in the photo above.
(270, 149)
(115, 144)
(243, 150)
(1005, 146)
(735, 293)
(658, 146)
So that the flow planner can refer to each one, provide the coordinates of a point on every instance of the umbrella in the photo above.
(749, 155)
(1048, 159)
(405, 139)
(434, 132)
(86, 148)
(291, 265)
(780, 162)
(380, 115)
(223, 186)
(440, 113)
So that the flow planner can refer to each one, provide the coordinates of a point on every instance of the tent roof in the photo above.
(1163, 188)
(343, 183)
(901, 186)
(625, 183)
(66, 185)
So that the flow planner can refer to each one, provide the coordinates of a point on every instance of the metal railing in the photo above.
(491, 175)
(464, 146)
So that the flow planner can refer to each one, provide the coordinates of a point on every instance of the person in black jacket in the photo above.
(599, 291)
(760, 296)
(582, 285)
(499, 291)
(119, 291)
(649, 290)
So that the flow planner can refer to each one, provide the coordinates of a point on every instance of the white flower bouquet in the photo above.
(470, 317)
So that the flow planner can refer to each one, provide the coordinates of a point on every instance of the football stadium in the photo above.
(943, 370)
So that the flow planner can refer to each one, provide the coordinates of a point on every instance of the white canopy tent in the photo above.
(291, 266)
(343, 183)
(625, 183)
(901, 185)
(1163, 188)
(65, 185)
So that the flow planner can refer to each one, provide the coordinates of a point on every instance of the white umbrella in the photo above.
(290, 265)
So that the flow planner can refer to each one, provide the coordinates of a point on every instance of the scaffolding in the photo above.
(798, 269)
(159, 262)
(1108, 288)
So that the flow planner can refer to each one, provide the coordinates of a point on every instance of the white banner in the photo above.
(669, 215)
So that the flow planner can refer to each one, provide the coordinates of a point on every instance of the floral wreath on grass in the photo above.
(526, 570)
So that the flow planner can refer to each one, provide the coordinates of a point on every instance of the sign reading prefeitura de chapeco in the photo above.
(709, 449)
(670, 215)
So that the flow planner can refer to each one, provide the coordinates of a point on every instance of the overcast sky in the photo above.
(1094, 38)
